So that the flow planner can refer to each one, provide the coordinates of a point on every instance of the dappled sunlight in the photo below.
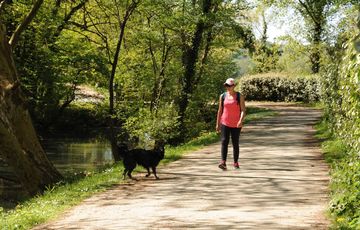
(281, 184)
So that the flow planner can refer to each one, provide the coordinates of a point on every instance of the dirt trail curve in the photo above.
(282, 184)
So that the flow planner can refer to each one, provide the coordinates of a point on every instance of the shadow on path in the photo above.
(282, 184)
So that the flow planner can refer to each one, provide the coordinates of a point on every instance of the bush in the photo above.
(280, 87)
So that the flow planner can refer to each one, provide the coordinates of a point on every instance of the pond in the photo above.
(75, 155)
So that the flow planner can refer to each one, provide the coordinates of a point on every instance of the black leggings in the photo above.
(225, 136)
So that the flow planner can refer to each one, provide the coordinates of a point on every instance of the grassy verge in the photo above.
(344, 207)
(75, 189)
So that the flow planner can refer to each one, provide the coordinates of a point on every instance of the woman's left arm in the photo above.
(242, 111)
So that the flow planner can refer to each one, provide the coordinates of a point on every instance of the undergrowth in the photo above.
(344, 206)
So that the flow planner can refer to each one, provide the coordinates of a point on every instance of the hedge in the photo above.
(280, 87)
(342, 112)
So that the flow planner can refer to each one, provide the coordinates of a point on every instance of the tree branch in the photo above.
(88, 37)
(68, 17)
(102, 37)
(307, 9)
(15, 37)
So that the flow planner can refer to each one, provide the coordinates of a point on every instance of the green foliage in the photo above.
(266, 58)
(345, 186)
(63, 48)
(333, 149)
(81, 119)
(294, 58)
(144, 126)
(280, 87)
(345, 176)
(341, 96)
(50, 63)
(201, 112)
(350, 97)
(152, 64)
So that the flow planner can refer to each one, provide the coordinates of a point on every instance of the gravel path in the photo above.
(282, 184)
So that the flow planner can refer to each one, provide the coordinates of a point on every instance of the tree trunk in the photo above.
(19, 145)
(315, 12)
(113, 139)
(315, 51)
(112, 118)
(190, 58)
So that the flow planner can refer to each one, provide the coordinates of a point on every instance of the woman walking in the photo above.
(230, 117)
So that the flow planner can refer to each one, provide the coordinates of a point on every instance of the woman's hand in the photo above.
(217, 128)
(240, 124)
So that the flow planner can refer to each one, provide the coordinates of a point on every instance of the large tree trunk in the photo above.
(19, 145)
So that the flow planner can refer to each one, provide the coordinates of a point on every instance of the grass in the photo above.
(76, 188)
(255, 113)
(58, 198)
(333, 149)
(344, 207)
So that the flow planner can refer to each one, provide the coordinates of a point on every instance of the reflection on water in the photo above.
(74, 155)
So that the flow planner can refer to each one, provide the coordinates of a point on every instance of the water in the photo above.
(75, 155)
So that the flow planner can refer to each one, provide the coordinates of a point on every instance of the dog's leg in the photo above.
(129, 174)
(154, 171)
(148, 172)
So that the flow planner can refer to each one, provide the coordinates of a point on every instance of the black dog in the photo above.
(146, 158)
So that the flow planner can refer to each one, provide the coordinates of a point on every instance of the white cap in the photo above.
(230, 82)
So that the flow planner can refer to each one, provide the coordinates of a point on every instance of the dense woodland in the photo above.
(160, 66)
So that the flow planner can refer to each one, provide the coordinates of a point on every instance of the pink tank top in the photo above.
(231, 112)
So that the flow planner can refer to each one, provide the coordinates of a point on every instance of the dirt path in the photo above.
(282, 184)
